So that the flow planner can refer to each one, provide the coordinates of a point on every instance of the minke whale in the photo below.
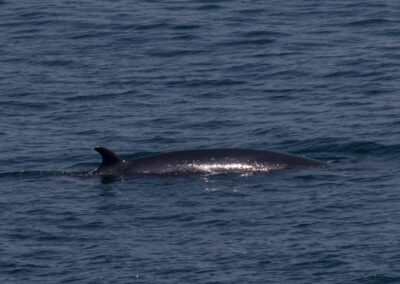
(200, 162)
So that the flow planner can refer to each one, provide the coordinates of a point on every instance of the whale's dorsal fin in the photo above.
(109, 157)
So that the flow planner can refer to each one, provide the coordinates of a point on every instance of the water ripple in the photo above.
(318, 79)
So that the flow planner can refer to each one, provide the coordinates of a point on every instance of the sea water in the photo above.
(313, 78)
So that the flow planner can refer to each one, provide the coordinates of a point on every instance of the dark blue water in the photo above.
(314, 78)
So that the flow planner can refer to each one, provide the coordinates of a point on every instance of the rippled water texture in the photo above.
(312, 78)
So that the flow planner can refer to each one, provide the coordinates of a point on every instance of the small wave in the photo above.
(252, 11)
(105, 96)
(186, 27)
(260, 41)
(152, 26)
(355, 147)
(345, 74)
(40, 174)
(379, 278)
(89, 35)
(209, 82)
(56, 62)
(264, 33)
(25, 104)
(209, 7)
(175, 53)
(370, 22)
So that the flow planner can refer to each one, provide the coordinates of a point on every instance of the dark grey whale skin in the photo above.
(193, 162)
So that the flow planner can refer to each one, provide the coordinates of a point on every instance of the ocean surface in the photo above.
(319, 79)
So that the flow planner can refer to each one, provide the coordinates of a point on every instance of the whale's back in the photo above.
(218, 161)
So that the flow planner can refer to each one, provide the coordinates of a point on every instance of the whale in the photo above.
(199, 162)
